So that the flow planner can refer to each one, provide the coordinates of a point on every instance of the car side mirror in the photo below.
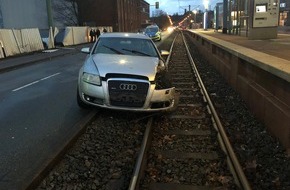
(85, 50)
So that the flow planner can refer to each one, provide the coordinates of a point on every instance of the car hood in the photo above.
(125, 64)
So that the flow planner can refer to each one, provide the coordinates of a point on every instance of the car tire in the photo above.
(80, 102)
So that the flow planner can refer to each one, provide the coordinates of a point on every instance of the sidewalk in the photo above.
(20, 60)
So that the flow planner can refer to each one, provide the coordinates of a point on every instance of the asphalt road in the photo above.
(38, 115)
(38, 111)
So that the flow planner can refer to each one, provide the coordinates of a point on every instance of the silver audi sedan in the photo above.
(125, 71)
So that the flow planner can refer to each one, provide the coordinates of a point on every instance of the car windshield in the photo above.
(126, 46)
(151, 29)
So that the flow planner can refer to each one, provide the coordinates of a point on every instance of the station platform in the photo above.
(279, 47)
(259, 70)
(271, 55)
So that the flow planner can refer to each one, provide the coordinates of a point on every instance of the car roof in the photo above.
(124, 35)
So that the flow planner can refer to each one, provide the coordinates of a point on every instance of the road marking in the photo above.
(45, 78)
(50, 76)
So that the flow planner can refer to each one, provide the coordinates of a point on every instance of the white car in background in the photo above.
(125, 71)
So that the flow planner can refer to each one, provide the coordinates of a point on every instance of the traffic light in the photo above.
(157, 5)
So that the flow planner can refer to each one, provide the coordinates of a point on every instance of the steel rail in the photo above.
(141, 157)
(239, 174)
(145, 142)
(170, 52)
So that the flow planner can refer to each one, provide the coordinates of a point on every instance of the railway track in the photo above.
(185, 149)
(188, 148)
(185, 152)
(180, 150)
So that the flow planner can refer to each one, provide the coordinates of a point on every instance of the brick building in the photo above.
(122, 15)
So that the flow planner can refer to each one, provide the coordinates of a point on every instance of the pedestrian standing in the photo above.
(94, 35)
(98, 33)
(91, 35)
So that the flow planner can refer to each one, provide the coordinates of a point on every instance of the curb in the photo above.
(43, 172)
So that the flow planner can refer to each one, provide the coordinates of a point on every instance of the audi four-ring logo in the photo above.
(124, 86)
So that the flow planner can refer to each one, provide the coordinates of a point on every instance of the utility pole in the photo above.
(50, 24)
(49, 13)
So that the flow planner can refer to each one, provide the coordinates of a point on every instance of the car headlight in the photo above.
(91, 78)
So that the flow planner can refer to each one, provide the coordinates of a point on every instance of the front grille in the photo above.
(127, 93)
(118, 75)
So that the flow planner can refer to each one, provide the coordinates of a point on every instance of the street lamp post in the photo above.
(205, 3)
(194, 12)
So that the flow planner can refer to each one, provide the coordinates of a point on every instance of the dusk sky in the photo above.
(177, 6)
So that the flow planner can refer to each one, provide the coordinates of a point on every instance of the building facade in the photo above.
(64, 13)
(23, 14)
(145, 10)
(284, 17)
(122, 15)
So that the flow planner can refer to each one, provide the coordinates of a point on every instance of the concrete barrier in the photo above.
(79, 35)
(15, 42)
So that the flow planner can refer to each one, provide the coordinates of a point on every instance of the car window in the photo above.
(151, 29)
(126, 46)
